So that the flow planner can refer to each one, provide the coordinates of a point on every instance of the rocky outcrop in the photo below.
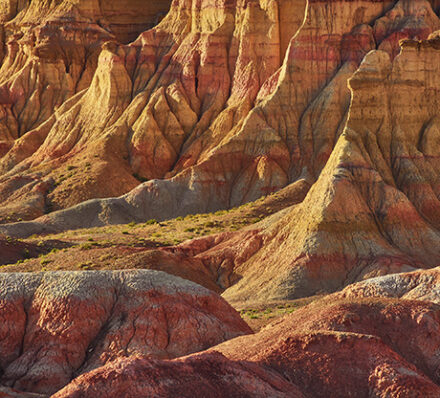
(374, 207)
(56, 326)
(417, 285)
(374, 348)
(229, 123)
(50, 55)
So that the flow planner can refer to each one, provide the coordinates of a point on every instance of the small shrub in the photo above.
(86, 265)
(88, 246)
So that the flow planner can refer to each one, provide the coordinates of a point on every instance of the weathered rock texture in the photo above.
(374, 209)
(226, 101)
(49, 58)
(56, 326)
(362, 348)
(418, 285)
(223, 102)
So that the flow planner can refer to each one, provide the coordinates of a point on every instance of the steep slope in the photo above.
(58, 325)
(149, 103)
(374, 208)
(226, 135)
(375, 348)
(241, 123)
(50, 55)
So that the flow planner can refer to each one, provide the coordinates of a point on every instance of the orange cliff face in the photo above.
(373, 209)
(50, 55)
(225, 102)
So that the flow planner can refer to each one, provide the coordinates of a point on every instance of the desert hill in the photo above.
(348, 107)
(155, 155)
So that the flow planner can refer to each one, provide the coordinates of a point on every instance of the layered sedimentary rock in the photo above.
(418, 285)
(331, 102)
(56, 326)
(50, 55)
(228, 123)
(337, 349)
(234, 101)
(374, 208)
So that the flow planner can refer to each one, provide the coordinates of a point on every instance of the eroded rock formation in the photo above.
(417, 285)
(374, 207)
(229, 123)
(219, 103)
(328, 349)
(233, 101)
(56, 326)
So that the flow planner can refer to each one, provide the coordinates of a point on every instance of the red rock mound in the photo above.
(58, 325)
(205, 375)
(374, 348)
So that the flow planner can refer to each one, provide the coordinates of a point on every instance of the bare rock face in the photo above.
(228, 123)
(223, 103)
(376, 348)
(417, 285)
(374, 208)
(58, 325)
(50, 55)
(217, 105)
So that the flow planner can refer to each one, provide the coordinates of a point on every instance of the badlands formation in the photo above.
(164, 164)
